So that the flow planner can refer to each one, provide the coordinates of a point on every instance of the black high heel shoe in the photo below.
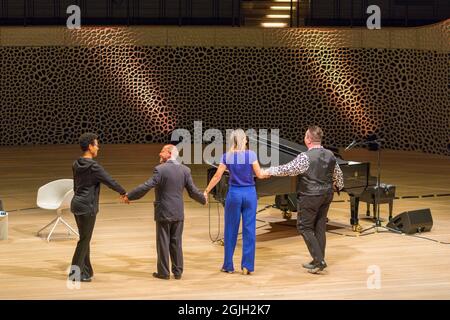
(226, 271)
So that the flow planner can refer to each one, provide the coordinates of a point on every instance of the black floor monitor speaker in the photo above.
(286, 202)
(412, 221)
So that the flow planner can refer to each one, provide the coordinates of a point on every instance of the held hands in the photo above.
(264, 174)
(124, 199)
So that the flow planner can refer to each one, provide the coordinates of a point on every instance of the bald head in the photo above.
(172, 149)
(168, 152)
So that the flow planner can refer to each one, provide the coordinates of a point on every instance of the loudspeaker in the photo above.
(412, 221)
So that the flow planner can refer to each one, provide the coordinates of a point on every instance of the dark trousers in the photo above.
(81, 257)
(168, 243)
(312, 223)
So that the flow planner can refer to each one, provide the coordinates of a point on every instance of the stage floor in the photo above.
(123, 245)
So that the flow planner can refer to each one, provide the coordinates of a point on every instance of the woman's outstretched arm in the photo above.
(216, 178)
(258, 171)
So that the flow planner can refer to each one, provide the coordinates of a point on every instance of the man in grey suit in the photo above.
(169, 179)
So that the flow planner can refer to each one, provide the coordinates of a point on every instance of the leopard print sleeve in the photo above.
(338, 177)
(297, 166)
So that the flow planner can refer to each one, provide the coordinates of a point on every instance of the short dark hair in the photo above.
(315, 134)
(86, 139)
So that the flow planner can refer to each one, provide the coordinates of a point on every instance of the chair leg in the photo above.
(47, 225)
(68, 226)
(55, 223)
(53, 229)
(368, 210)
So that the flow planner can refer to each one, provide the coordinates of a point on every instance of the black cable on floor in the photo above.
(349, 235)
(368, 234)
(220, 240)
(218, 223)
(426, 238)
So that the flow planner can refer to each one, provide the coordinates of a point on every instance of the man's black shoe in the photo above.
(177, 276)
(309, 265)
(318, 267)
(160, 276)
(73, 277)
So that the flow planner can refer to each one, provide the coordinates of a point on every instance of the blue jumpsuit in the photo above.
(241, 200)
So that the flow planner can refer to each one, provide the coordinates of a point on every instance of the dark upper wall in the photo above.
(38, 12)
(137, 85)
(218, 12)
(393, 12)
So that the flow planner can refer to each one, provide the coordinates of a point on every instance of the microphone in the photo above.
(351, 145)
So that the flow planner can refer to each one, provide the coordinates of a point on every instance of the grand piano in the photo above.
(356, 179)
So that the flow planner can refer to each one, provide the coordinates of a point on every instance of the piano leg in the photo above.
(354, 220)
(375, 210)
(391, 205)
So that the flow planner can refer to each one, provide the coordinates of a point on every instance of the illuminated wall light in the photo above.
(131, 74)
(274, 24)
(278, 16)
(280, 8)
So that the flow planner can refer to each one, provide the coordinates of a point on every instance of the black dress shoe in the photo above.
(72, 277)
(86, 279)
(318, 267)
(160, 276)
(177, 276)
(309, 265)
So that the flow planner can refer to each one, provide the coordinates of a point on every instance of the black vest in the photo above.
(318, 179)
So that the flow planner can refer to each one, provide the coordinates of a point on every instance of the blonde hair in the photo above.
(237, 140)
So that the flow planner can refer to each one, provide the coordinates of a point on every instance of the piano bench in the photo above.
(386, 195)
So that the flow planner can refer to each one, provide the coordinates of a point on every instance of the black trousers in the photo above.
(168, 243)
(312, 223)
(81, 257)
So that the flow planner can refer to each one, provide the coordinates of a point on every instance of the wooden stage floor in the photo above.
(123, 245)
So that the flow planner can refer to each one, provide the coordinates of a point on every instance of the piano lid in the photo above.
(283, 145)
(288, 150)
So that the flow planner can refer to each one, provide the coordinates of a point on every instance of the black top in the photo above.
(87, 176)
(318, 178)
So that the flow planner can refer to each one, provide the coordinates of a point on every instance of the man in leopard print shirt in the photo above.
(319, 174)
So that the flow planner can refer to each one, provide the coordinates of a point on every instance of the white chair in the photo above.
(56, 195)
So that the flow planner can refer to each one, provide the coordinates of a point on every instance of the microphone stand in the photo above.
(377, 224)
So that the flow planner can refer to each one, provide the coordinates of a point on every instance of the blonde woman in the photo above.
(241, 200)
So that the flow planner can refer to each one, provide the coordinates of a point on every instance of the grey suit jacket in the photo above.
(169, 180)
